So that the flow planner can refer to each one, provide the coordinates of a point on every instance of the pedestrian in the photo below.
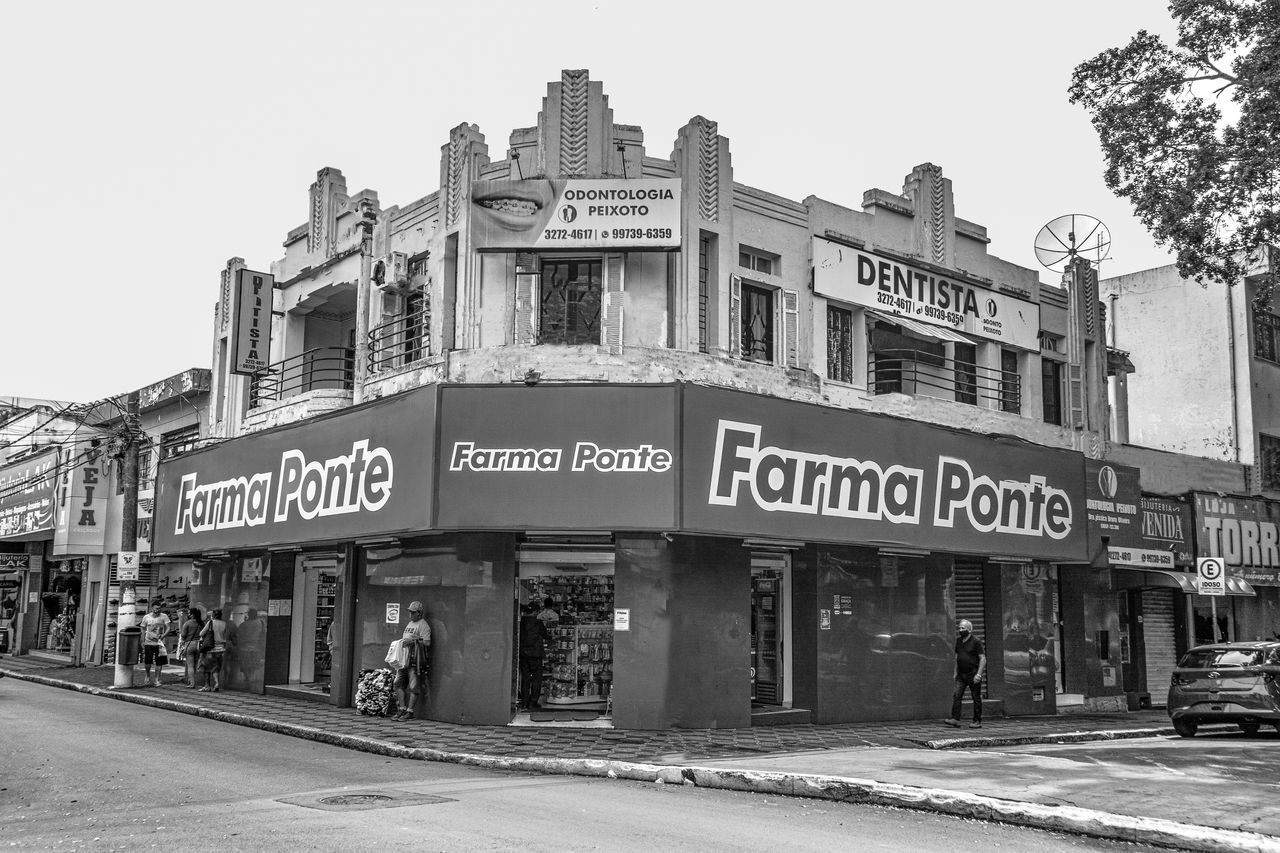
(971, 669)
(411, 677)
(250, 639)
(533, 649)
(189, 643)
(155, 625)
(211, 661)
(547, 612)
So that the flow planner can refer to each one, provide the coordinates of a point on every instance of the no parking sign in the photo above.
(1211, 576)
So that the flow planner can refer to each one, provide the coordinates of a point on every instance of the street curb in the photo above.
(1060, 737)
(1072, 819)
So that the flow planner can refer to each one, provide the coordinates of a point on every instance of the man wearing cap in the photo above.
(409, 680)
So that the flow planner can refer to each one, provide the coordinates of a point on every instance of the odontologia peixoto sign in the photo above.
(759, 466)
(365, 471)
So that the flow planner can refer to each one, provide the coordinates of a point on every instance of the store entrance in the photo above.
(572, 594)
(770, 629)
(315, 586)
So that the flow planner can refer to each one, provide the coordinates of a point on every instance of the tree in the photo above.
(1206, 184)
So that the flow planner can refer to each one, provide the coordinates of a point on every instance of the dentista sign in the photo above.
(939, 299)
(365, 471)
(766, 467)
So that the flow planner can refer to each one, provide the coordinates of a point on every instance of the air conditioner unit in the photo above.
(394, 272)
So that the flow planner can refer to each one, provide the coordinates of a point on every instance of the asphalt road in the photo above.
(84, 773)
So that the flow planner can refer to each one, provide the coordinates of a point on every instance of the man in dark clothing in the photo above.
(533, 645)
(971, 668)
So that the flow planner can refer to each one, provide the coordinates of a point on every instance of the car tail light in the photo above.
(1178, 680)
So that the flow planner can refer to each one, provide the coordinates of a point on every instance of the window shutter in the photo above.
(790, 328)
(526, 331)
(1075, 395)
(612, 302)
(735, 316)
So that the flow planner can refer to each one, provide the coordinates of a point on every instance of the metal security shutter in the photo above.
(970, 604)
(1158, 637)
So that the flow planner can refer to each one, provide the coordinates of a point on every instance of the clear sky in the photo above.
(146, 143)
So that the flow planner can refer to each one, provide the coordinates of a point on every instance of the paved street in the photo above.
(84, 773)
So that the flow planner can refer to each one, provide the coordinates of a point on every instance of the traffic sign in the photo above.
(1211, 576)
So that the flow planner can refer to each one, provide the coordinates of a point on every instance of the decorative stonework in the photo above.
(938, 218)
(573, 122)
(454, 189)
(708, 169)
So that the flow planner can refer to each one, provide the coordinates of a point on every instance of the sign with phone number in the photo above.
(575, 214)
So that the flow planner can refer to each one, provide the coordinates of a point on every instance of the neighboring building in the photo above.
(1207, 370)
(61, 503)
(759, 452)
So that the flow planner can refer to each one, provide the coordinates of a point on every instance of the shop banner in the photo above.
(1113, 495)
(1166, 530)
(26, 495)
(1244, 532)
(756, 466)
(550, 457)
(894, 287)
(81, 495)
(517, 216)
(365, 471)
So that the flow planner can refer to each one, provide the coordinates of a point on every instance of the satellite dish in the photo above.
(1076, 235)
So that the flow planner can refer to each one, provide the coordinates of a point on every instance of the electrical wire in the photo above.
(63, 411)
(55, 472)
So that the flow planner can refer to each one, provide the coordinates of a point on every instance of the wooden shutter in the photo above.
(735, 316)
(790, 328)
(612, 302)
(1075, 395)
(526, 308)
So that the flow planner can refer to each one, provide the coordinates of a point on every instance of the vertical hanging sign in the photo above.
(251, 331)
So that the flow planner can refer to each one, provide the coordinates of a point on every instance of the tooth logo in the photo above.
(568, 213)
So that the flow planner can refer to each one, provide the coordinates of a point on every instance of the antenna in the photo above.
(1075, 235)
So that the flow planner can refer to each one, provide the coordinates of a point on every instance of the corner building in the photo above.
(759, 453)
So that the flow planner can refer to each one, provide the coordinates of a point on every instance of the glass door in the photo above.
(770, 629)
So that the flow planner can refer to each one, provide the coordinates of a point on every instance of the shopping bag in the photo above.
(395, 654)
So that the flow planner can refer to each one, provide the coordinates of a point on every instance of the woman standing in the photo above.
(211, 662)
(189, 643)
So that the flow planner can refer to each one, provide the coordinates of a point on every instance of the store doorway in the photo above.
(770, 629)
(573, 596)
(315, 587)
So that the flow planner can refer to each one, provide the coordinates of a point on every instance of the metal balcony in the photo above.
(926, 374)
(323, 367)
(400, 341)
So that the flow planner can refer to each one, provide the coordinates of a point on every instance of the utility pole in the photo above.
(126, 617)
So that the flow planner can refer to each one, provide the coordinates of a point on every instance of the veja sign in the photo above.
(781, 480)
(891, 286)
(353, 482)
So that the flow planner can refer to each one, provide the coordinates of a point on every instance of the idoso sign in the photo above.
(365, 471)
(770, 467)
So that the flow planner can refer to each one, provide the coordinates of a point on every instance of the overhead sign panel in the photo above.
(1244, 532)
(26, 495)
(892, 286)
(575, 214)
(251, 331)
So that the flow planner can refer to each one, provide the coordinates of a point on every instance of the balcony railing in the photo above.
(323, 367)
(927, 374)
(400, 341)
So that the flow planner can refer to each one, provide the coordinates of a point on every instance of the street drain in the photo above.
(355, 800)
(364, 800)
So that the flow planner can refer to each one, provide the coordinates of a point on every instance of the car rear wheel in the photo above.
(1250, 729)
(1185, 728)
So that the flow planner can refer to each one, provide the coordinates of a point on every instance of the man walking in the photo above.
(155, 625)
(971, 668)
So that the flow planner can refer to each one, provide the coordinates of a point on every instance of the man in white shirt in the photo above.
(155, 625)
(410, 680)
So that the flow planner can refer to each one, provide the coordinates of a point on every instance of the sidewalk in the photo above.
(886, 763)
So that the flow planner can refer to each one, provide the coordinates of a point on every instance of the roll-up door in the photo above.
(1158, 638)
(970, 604)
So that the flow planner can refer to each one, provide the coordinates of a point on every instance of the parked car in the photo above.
(1226, 683)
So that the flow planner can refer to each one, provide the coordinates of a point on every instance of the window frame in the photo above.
(1266, 327)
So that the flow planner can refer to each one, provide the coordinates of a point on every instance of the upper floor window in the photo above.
(759, 261)
(839, 344)
(570, 295)
(1051, 390)
(757, 323)
(1266, 336)
(1010, 382)
(1269, 461)
(178, 441)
